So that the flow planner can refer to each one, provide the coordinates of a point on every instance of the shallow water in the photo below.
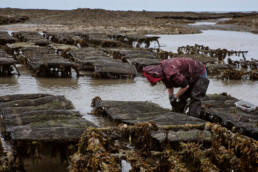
(202, 23)
(214, 39)
(209, 22)
(83, 89)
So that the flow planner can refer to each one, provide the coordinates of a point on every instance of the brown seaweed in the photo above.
(104, 149)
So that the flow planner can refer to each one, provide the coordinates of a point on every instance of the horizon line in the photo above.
(213, 11)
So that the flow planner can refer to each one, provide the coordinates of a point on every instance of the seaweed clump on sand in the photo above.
(106, 149)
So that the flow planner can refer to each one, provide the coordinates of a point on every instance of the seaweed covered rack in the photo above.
(133, 148)
(5, 38)
(33, 37)
(7, 64)
(42, 61)
(138, 147)
(99, 65)
(221, 108)
(38, 128)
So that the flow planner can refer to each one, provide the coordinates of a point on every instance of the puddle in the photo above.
(202, 23)
(213, 22)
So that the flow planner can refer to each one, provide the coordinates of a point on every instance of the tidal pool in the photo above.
(209, 22)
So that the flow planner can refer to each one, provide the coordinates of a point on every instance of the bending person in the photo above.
(188, 74)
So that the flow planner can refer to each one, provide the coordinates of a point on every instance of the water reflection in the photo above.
(55, 83)
(243, 90)
(210, 22)
(8, 81)
(48, 163)
(109, 82)
(202, 23)
(8, 85)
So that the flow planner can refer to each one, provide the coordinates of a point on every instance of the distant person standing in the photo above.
(188, 74)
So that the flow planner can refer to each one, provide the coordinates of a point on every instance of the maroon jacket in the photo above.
(177, 72)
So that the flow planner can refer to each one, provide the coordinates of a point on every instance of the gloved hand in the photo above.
(173, 100)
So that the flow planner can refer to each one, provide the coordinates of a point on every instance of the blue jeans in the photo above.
(205, 74)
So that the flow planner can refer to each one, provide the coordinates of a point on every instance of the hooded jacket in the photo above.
(176, 72)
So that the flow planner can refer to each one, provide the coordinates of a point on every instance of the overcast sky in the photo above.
(137, 5)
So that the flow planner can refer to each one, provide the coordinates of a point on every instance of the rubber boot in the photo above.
(197, 94)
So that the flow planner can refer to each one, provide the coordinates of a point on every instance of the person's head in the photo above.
(153, 74)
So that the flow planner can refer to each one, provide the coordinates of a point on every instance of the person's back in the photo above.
(176, 69)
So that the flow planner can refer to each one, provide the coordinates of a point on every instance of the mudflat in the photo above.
(125, 22)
